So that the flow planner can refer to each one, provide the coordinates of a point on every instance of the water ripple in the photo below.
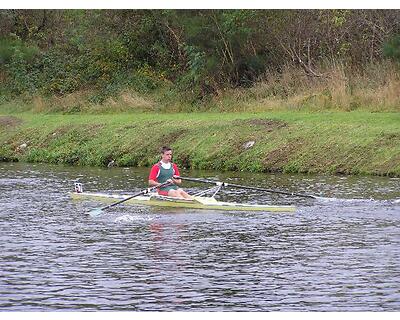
(336, 255)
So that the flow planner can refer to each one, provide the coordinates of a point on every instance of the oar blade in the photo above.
(95, 212)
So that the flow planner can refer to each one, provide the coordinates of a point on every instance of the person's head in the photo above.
(166, 154)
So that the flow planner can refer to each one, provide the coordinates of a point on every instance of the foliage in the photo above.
(9, 46)
(22, 79)
(196, 53)
(392, 48)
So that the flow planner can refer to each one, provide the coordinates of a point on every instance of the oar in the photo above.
(246, 187)
(97, 211)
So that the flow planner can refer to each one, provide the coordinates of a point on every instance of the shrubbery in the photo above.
(196, 54)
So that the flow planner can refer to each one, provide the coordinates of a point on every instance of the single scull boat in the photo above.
(199, 201)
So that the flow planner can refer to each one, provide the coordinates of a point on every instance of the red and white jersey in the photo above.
(155, 171)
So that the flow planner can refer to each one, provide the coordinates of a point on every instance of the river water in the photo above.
(341, 254)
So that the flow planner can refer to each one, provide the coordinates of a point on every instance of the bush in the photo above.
(9, 46)
(392, 48)
(23, 80)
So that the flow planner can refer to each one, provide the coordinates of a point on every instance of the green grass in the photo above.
(324, 142)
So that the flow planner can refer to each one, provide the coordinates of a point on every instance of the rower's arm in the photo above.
(153, 176)
(175, 178)
(176, 181)
(153, 183)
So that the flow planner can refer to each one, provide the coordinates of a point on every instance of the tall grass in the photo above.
(373, 88)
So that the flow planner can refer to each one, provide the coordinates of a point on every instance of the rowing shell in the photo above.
(198, 202)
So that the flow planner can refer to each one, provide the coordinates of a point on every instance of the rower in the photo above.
(164, 171)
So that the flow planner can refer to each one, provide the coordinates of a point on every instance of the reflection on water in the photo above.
(337, 255)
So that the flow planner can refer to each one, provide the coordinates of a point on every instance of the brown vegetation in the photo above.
(9, 122)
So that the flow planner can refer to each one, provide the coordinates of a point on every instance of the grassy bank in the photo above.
(326, 142)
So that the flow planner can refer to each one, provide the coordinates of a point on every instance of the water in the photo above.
(332, 255)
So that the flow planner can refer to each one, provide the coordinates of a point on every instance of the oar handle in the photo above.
(246, 187)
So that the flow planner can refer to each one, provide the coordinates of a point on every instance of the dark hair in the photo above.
(165, 149)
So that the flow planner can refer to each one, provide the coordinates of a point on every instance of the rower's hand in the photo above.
(177, 179)
(170, 181)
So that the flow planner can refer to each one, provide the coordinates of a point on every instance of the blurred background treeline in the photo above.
(199, 60)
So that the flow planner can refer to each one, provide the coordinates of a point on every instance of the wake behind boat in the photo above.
(199, 201)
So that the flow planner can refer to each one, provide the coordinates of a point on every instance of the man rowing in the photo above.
(164, 171)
